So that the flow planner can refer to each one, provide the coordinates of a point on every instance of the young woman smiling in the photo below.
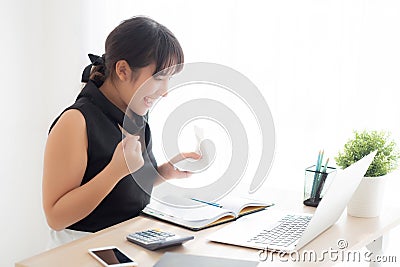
(89, 168)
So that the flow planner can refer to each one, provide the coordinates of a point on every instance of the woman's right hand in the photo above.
(127, 157)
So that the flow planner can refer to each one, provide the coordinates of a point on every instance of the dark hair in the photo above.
(140, 41)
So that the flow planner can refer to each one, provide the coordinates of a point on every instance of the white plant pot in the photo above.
(367, 199)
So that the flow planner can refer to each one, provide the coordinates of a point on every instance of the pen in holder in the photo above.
(316, 183)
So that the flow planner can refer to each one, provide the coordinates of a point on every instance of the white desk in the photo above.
(357, 232)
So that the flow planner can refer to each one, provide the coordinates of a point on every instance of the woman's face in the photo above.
(141, 92)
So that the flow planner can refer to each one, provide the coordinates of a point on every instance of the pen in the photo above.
(319, 163)
(208, 203)
(321, 180)
(326, 165)
(317, 169)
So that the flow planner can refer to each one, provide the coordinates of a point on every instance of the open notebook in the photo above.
(195, 215)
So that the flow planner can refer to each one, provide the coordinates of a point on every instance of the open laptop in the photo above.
(274, 230)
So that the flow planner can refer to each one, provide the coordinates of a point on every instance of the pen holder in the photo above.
(316, 183)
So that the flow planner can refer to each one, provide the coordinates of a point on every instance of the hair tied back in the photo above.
(97, 62)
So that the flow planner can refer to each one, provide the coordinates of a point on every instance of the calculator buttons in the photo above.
(155, 239)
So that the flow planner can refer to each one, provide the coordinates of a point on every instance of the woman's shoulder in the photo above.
(76, 113)
(70, 119)
(73, 116)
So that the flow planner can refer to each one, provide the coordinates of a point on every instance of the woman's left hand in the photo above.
(168, 171)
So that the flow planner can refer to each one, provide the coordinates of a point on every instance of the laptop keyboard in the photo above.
(288, 230)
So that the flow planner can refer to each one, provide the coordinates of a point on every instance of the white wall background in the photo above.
(324, 67)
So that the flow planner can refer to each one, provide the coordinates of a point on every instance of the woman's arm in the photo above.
(64, 200)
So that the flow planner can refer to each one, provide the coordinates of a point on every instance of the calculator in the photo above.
(155, 239)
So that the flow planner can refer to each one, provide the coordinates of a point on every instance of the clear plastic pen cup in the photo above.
(316, 183)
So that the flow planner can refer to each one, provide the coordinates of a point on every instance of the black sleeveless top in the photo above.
(132, 193)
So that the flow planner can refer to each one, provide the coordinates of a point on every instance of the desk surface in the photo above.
(358, 232)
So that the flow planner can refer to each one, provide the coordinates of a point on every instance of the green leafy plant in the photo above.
(365, 142)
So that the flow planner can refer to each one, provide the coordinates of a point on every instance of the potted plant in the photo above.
(367, 200)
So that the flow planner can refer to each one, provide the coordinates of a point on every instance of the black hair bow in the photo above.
(96, 61)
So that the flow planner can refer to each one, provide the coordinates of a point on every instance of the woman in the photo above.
(87, 184)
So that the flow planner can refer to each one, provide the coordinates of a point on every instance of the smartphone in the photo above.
(112, 257)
